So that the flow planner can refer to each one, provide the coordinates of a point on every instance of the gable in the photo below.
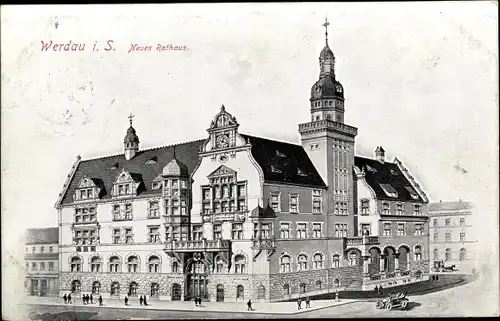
(222, 170)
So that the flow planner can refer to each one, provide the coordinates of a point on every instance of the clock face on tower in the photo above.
(222, 141)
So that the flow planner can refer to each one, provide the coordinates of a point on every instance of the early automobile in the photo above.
(394, 300)
(440, 266)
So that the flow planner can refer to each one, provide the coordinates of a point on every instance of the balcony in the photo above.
(329, 126)
(263, 244)
(361, 240)
(176, 219)
(198, 246)
(239, 216)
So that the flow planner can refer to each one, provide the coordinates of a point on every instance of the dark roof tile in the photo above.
(449, 206)
(48, 235)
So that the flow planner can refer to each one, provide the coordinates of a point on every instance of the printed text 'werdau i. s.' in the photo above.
(70, 46)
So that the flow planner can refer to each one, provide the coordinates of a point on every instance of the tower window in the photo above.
(317, 117)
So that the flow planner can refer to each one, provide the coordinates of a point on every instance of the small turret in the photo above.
(131, 141)
(380, 154)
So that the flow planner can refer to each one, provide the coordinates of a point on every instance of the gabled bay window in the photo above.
(224, 194)
(86, 215)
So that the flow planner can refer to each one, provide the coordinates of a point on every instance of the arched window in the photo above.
(447, 254)
(219, 265)
(462, 221)
(353, 258)
(285, 264)
(239, 264)
(132, 289)
(133, 264)
(96, 287)
(114, 264)
(435, 254)
(175, 267)
(302, 262)
(240, 290)
(447, 222)
(261, 294)
(155, 290)
(76, 286)
(336, 261)
(463, 254)
(435, 222)
(302, 288)
(336, 282)
(319, 285)
(418, 253)
(318, 261)
(365, 206)
(198, 267)
(115, 288)
(154, 264)
(286, 289)
(76, 264)
(95, 264)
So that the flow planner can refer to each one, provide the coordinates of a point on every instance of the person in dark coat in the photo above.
(299, 304)
(376, 290)
(437, 278)
(100, 300)
(69, 298)
(308, 302)
(381, 290)
(145, 302)
(126, 300)
(249, 305)
(65, 298)
(83, 298)
(91, 298)
(87, 298)
(140, 300)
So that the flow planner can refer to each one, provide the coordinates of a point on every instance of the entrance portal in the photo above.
(196, 281)
(220, 293)
(176, 292)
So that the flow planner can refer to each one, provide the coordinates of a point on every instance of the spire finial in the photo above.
(326, 24)
(130, 117)
(174, 152)
(222, 108)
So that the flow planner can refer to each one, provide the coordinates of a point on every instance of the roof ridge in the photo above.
(42, 228)
(373, 159)
(272, 140)
(144, 150)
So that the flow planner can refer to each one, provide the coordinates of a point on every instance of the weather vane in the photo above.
(130, 118)
(326, 24)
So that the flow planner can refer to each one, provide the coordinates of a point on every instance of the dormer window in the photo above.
(125, 185)
(152, 160)
(87, 189)
(301, 172)
(114, 166)
(280, 154)
(155, 185)
(274, 169)
(413, 193)
(389, 190)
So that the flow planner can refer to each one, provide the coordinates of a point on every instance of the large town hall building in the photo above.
(232, 217)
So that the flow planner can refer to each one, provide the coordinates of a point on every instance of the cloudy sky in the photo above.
(420, 79)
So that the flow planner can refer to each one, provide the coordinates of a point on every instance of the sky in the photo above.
(420, 79)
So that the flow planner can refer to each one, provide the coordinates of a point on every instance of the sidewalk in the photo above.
(259, 307)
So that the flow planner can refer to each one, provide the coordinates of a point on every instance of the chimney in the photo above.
(380, 154)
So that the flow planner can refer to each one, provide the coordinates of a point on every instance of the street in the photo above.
(454, 301)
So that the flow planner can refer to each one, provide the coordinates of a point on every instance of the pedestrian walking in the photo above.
(100, 300)
(376, 290)
(437, 278)
(299, 304)
(91, 298)
(336, 295)
(83, 298)
(381, 290)
(249, 305)
(126, 300)
(69, 298)
(65, 298)
(308, 302)
(87, 298)
(140, 300)
(145, 302)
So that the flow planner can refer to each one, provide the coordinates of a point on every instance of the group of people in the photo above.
(379, 290)
(435, 278)
(197, 301)
(86, 299)
(142, 300)
(299, 303)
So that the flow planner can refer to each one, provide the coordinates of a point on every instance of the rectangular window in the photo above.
(129, 237)
(116, 236)
(265, 231)
(217, 231)
(448, 237)
(206, 194)
(33, 266)
(42, 249)
(206, 208)
(51, 249)
(301, 230)
(42, 266)
(128, 211)
(365, 207)
(417, 209)
(241, 205)
(340, 230)
(294, 203)
(316, 201)
(34, 249)
(255, 230)
(399, 209)
(85, 237)
(462, 237)
(387, 229)
(317, 230)
(237, 232)
(154, 209)
(51, 266)
(401, 229)
(385, 208)
(284, 230)
(242, 191)
(436, 237)
(197, 232)
(275, 202)
(365, 227)
(419, 229)
(116, 212)
(154, 234)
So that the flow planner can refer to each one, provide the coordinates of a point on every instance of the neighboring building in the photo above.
(450, 233)
(42, 261)
(231, 216)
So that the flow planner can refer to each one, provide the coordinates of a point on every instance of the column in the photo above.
(396, 261)
(408, 266)
(366, 261)
(382, 265)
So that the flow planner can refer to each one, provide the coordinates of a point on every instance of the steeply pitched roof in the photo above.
(48, 235)
(284, 162)
(100, 168)
(449, 206)
(378, 174)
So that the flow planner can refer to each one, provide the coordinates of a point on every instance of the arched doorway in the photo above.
(115, 289)
(220, 293)
(375, 260)
(96, 287)
(389, 255)
(132, 289)
(76, 286)
(197, 282)
(261, 293)
(176, 292)
(155, 290)
(403, 257)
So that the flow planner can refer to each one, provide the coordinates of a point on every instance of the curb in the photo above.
(195, 311)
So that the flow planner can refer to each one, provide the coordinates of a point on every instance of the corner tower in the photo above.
(327, 140)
